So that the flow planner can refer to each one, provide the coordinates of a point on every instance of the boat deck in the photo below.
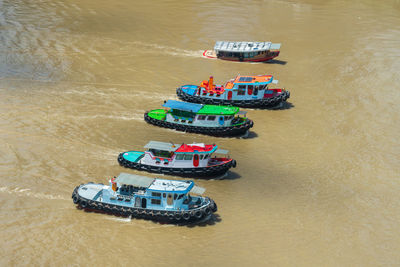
(133, 156)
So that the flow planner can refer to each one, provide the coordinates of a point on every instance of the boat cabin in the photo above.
(180, 155)
(154, 193)
(246, 51)
(200, 114)
(240, 88)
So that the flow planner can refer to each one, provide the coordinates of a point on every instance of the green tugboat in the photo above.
(198, 118)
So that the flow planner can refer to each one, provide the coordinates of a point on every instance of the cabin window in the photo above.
(211, 118)
(201, 117)
(179, 156)
(255, 91)
(154, 194)
(164, 195)
(175, 196)
(206, 156)
(155, 201)
(188, 156)
(161, 153)
(242, 90)
(180, 196)
(250, 89)
(228, 117)
(201, 157)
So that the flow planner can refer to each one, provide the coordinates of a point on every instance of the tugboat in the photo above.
(244, 51)
(148, 198)
(199, 118)
(174, 159)
(243, 91)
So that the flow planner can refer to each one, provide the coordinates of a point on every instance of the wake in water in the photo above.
(173, 51)
(27, 192)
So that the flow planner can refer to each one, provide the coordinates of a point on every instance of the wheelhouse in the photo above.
(180, 155)
(246, 51)
(155, 193)
(199, 114)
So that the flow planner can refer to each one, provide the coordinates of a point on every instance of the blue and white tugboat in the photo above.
(148, 198)
(174, 159)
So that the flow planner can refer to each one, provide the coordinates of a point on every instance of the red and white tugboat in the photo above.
(174, 159)
(244, 51)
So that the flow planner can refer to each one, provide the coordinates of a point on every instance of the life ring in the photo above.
(186, 216)
(75, 199)
(198, 214)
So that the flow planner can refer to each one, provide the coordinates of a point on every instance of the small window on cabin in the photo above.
(245, 79)
(201, 157)
(154, 194)
(180, 196)
(241, 90)
(206, 156)
(250, 89)
(201, 117)
(155, 201)
(211, 118)
(188, 156)
(175, 196)
(164, 195)
(255, 91)
(179, 156)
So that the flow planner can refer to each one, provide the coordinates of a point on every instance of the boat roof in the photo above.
(254, 79)
(162, 146)
(133, 179)
(196, 148)
(242, 46)
(174, 104)
(157, 184)
(218, 110)
(201, 109)
(185, 148)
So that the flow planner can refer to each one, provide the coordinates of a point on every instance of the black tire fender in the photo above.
(186, 216)
(75, 199)
(198, 214)
(234, 163)
(83, 203)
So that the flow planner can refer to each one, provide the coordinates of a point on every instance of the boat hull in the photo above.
(202, 213)
(214, 131)
(271, 102)
(187, 172)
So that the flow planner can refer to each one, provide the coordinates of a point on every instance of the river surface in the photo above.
(317, 183)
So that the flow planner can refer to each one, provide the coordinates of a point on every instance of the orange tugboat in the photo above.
(243, 91)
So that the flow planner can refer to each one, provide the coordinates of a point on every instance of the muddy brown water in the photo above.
(317, 184)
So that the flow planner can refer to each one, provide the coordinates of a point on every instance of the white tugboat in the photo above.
(149, 198)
